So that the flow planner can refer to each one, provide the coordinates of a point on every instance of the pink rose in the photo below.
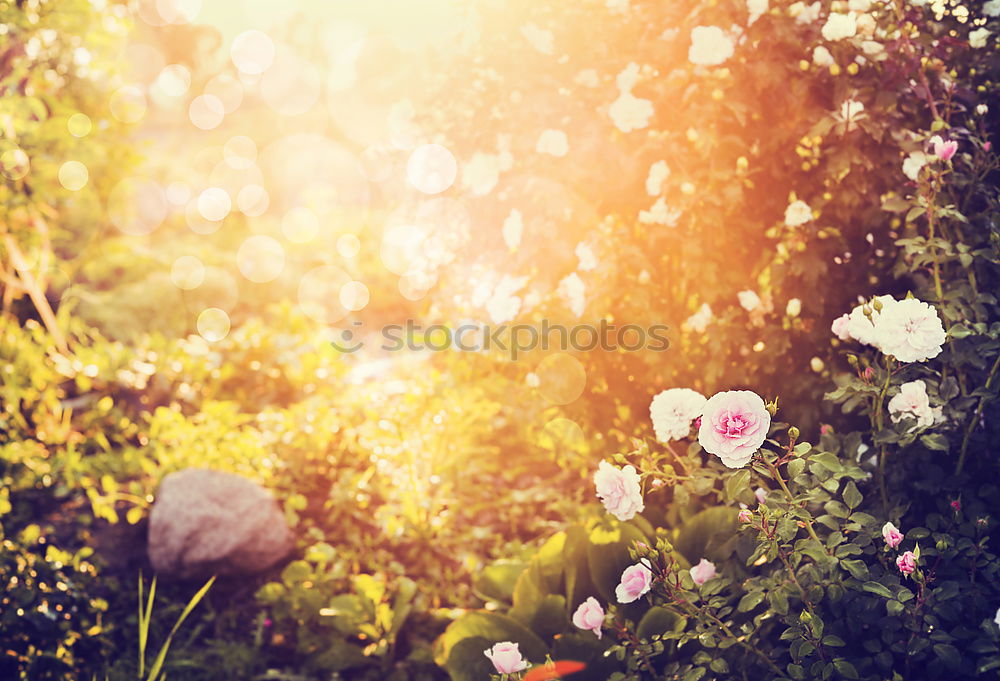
(619, 491)
(703, 571)
(734, 426)
(589, 616)
(945, 149)
(745, 516)
(506, 658)
(635, 583)
(907, 563)
(892, 535)
(839, 327)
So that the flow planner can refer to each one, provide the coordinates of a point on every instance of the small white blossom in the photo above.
(629, 112)
(992, 8)
(805, 14)
(794, 307)
(756, 8)
(710, 46)
(513, 227)
(700, 320)
(540, 38)
(573, 291)
(978, 37)
(552, 142)
(658, 174)
(798, 213)
(585, 254)
(660, 214)
(481, 173)
(912, 402)
(822, 56)
(749, 300)
(839, 26)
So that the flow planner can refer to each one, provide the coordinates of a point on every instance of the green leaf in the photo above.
(657, 621)
(935, 441)
(845, 668)
(852, 497)
(750, 601)
(736, 484)
(704, 531)
(857, 568)
(877, 589)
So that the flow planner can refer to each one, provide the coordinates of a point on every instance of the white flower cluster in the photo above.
(629, 112)
(909, 330)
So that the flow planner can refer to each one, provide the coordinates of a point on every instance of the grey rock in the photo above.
(207, 522)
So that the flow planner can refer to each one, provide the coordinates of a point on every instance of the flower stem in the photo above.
(976, 416)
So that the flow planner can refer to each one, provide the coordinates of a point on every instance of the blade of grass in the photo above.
(154, 671)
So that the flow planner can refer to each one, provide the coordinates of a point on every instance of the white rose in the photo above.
(912, 402)
(909, 330)
(672, 412)
(619, 491)
(794, 307)
(839, 26)
(992, 9)
(710, 46)
(860, 327)
(798, 213)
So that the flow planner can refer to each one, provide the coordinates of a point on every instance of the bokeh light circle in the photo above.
(227, 90)
(128, 104)
(319, 294)
(240, 152)
(431, 168)
(213, 324)
(187, 272)
(14, 164)
(260, 258)
(206, 112)
(253, 200)
(137, 206)
(354, 296)
(300, 225)
(252, 52)
(348, 245)
(291, 86)
(561, 377)
(214, 204)
(79, 125)
(178, 11)
(73, 175)
(174, 80)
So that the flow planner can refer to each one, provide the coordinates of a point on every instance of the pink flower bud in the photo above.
(589, 616)
(760, 494)
(957, 505)
(703, 571)
(987, 146)
(869, 373)
(892, 535)
(506, 658)
(945, 149)
(825, 429)
(636, 581)
(745, 516)
(907, 563)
